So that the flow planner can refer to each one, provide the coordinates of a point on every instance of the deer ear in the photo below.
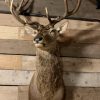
(62, 29)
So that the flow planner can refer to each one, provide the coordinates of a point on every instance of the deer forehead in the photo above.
(41, 30)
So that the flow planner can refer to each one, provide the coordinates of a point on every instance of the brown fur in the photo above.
(47, 82)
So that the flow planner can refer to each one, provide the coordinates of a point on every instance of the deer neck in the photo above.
(49, 71)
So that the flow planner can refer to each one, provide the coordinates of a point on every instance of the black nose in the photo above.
(38, 39)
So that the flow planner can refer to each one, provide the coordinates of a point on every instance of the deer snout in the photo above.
(38, 39)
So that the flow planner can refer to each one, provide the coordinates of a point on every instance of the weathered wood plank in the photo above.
(19, 47)
(15, 77)
(82, 79)
(87, 9)
(16, 47)
(8, 93)
(14, 92)
(77, 93)
(73, 24)
(72, 93)
(86, 50)
(88, 32)
(20, 62)
(23, 92)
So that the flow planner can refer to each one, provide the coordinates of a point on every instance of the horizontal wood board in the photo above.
(77, 93)
(72, 93)
(21, 62)
(13, 92)
(83, 39)
(20, 47)
(87, 9)
(78, 79)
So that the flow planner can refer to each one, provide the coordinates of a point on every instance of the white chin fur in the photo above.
(39, 45)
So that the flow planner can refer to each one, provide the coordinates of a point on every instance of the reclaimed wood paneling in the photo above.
(13, 92)
(72, 93)
(79, 79)
(77, 93)
(21, 62)
(82, 79)
(18, 47)
(87, 9)
(15, 77)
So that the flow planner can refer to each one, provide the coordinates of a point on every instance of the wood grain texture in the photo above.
(21, 62)
(8, 93)
(15, 77)
(78, 93)
(13, 92)
(87, 9)
(20, 47)
(73, 24)
(16, 47)
(72, 93)
(80, 79)
(88, 32)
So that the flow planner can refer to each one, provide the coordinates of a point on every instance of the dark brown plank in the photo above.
(56, 8)
(81, 50)
(72, 50)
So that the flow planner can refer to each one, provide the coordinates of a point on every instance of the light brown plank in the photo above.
(88, 32)
(10, 62)
(21, 62)
(7, 32)
(82, 79)
(14, 92)
(15, 77)
(23, 92)
(77, 93)
(8, 93)
(72, 93)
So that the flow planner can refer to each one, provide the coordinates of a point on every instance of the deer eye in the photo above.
(35, 32)
(53, 32)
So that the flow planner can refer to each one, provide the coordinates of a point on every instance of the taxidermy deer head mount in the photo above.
(43, 35)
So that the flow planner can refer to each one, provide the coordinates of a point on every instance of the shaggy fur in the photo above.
(47, 82)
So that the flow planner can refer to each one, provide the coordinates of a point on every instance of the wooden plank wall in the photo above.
(87, 10)
(80, 56)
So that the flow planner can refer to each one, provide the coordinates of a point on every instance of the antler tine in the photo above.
(47, 15)
(16, 13)
(20, 5)
(27, 4)
(13, 11)
(76, 8)
(69, 13)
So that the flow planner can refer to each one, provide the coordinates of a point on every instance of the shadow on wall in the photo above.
(91, 38)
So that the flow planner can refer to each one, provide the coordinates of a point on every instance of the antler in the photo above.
(17, 10)
(24, 5)
(66, 13)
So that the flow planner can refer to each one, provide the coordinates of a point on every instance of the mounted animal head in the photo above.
(43, 36)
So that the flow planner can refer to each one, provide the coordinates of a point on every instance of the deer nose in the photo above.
(38, 39)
